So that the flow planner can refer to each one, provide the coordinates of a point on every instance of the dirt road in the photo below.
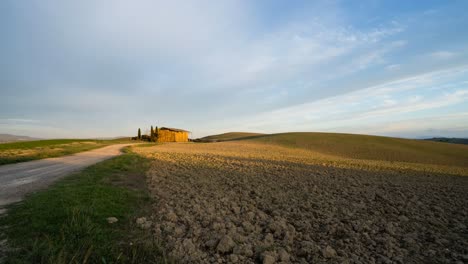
(16, 180)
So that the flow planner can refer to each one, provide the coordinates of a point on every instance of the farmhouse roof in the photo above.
(173, 129)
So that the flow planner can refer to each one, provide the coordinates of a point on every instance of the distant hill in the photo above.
(230, 136)
(449, 140)
(365, 147)
(13, 138)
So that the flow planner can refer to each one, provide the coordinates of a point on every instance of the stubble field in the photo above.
(251, 202)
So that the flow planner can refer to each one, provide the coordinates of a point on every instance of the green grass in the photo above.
(363, 147)
(39, 149)
(67, 222)
(40, 143)
(230, 136)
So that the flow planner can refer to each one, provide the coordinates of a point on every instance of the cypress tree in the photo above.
(152, 134)
(156, 134)
(139, 133)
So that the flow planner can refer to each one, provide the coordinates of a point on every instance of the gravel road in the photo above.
(19, 179)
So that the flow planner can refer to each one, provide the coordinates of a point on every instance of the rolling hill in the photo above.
(363, 147)
(449, 140)
(230, 136)
(12, 138)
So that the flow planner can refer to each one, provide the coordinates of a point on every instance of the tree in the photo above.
(139, 133)
(156, 134)
(152, 134)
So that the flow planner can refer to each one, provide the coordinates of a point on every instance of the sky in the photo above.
(104, 68)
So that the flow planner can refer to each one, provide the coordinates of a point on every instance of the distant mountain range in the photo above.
(13, 138)
(449, 140)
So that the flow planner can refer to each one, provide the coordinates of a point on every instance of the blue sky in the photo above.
(99, 68)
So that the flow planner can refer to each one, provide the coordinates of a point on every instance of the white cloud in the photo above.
(393, 67)
(442, 55)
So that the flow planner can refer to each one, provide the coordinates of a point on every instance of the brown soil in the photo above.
(248, 203)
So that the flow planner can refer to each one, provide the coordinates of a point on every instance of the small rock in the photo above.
(141, 220)
(268, 259)
(283, 255)
(403, 218)
(225, 245)
(390, 229)
(211, 243)
(236, 210)
(269, 239)
(329, 252)
(178, 231)
(143, 223)
(188, 245)
(250, 215)
(234, 258)
(171, 217)
(112, 220)
(248, 227)
(146, 225)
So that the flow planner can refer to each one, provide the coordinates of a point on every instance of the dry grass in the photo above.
(230, 136)
(363, 147)
(275, 152)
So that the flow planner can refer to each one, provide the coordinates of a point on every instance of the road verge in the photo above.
(73, 221)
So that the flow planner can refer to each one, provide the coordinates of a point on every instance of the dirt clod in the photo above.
(268, 259)
(328, 252)
(225, 245)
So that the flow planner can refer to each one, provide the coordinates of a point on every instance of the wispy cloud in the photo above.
(442, 55)
(393, 67)
(291, 51)
(19, 120)
(447, 125)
